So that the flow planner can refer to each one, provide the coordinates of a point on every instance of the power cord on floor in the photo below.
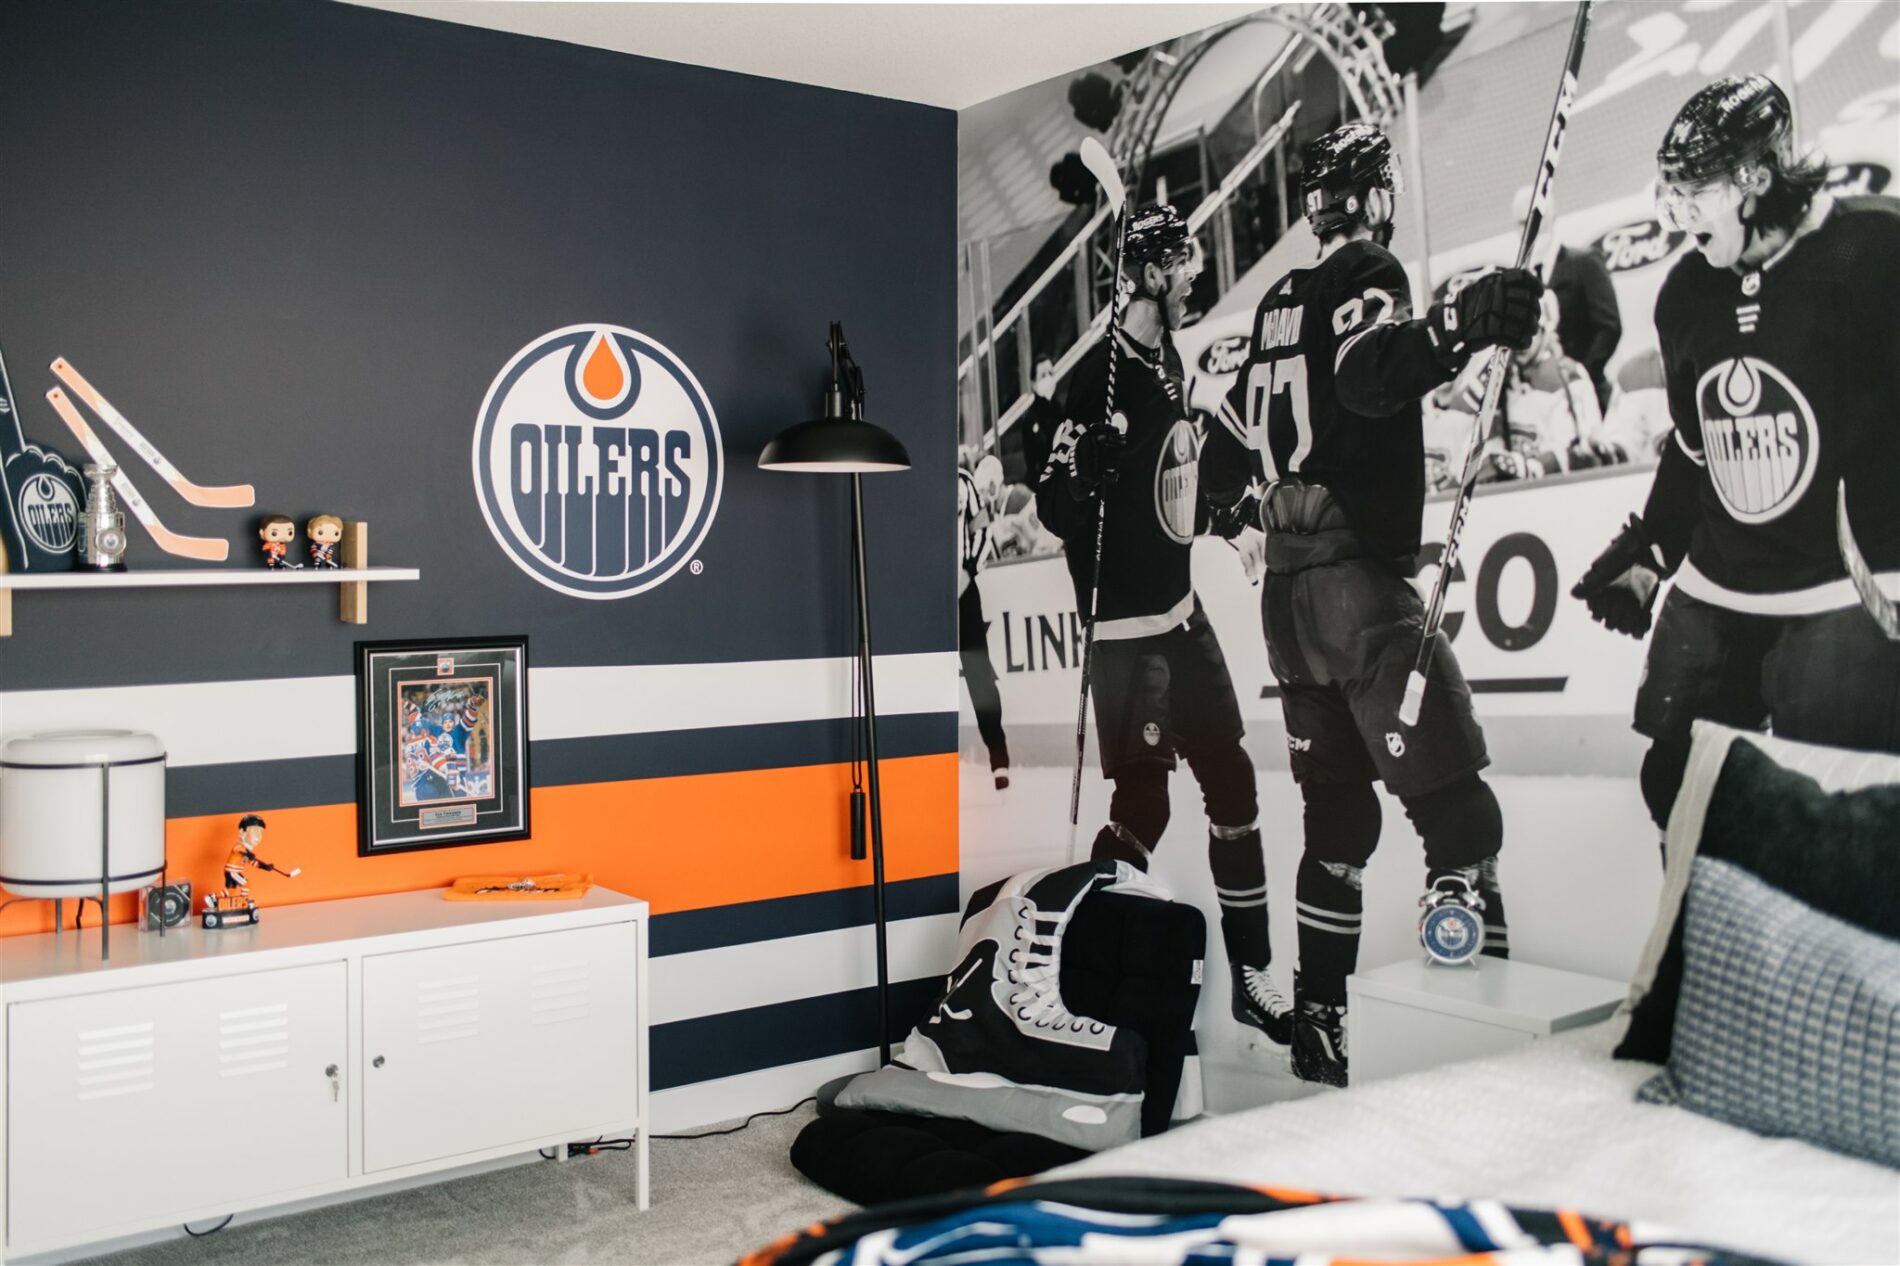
(199, 1235)
(621, 1145)
(775, 1112)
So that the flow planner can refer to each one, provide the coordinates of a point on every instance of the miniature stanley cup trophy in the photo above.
(102, 535)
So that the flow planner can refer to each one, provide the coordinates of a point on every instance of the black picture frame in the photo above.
(441, 743)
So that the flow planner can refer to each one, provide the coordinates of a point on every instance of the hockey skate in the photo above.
(1319, 1042)
(1265, 1016)
(1004, 1013)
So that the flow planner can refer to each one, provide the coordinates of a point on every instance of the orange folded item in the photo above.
(519, 888)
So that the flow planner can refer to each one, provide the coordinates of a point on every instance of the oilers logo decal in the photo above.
(597, 461)
(1177, 482)
(49, 513)
(1758, 436)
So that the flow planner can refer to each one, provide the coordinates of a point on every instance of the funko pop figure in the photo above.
(277, 531)
(325, 533)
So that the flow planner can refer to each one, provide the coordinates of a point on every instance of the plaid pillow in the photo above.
(1789, 1019)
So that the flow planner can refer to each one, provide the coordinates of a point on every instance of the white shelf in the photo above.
(179, 577)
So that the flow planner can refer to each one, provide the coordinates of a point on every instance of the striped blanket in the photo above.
(1180, 1222)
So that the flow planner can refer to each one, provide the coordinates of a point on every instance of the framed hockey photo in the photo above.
(441, 743)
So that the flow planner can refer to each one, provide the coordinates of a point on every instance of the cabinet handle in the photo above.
(377, 1062)
(336, 1083)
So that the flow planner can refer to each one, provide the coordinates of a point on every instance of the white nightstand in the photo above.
(1411, 1015)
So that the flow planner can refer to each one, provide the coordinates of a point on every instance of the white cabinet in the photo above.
(335, 1045)
(444, 1028)
(132, 1103)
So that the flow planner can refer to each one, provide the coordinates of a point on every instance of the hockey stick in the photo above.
(230, 497)
(171, 542)
(1102, 167)
(1494, 372)
(1885, 610)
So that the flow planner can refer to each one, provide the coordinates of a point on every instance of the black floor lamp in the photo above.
(839, 443)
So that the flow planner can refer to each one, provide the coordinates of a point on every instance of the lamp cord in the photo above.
(857, 686)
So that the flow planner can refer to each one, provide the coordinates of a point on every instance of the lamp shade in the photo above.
(61, 792)
(834, 446)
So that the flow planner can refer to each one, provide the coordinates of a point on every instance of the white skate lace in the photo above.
(1032, 965)
(1259, 986)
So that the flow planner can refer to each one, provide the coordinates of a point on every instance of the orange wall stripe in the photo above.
(683, 843)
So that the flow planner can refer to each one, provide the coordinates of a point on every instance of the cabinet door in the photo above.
(476, 1046)
(136, 1107)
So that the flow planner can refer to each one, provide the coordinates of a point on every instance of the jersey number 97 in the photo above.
(1276, 395)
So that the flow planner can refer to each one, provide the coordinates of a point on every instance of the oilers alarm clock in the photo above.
(1452, 927)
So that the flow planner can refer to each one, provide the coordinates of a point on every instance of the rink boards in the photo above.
(1553, 688)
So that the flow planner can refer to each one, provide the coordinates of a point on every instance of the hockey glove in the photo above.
(1230, 522)
(1498, 307)
(1098, 455)
(1620, 586)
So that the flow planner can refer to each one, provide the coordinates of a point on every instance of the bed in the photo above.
(1557, 1123)
(1554, 1124)
(1559, 1128)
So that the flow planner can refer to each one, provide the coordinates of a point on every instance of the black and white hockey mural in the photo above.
(1212, 448)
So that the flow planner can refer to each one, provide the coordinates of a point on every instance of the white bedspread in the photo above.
(1554, 1125)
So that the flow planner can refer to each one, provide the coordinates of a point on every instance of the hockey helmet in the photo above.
(1158, 235)
(1723, 140)
(1735, 122)
(1339, 169)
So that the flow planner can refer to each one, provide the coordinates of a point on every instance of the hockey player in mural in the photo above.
(1328, 406)
(975, 548)
(1160, 684)
(1776, 334)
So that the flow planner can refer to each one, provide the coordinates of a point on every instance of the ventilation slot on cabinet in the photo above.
(559, 994)
(448, 1010)
(253, 1040)
(115, 1061)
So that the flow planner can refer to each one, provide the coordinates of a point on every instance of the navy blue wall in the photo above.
(296, 241)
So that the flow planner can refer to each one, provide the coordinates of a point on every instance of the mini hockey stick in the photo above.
(202, 547)
(1885, 610)
(229, 497)
(1102, 167)
(1494, 372)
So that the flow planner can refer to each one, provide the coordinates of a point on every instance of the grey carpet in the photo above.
(712, 1200)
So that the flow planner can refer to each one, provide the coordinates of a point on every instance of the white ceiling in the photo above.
(951, 55)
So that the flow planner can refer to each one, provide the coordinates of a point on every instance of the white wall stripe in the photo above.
(224, 722)
(734, 977)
